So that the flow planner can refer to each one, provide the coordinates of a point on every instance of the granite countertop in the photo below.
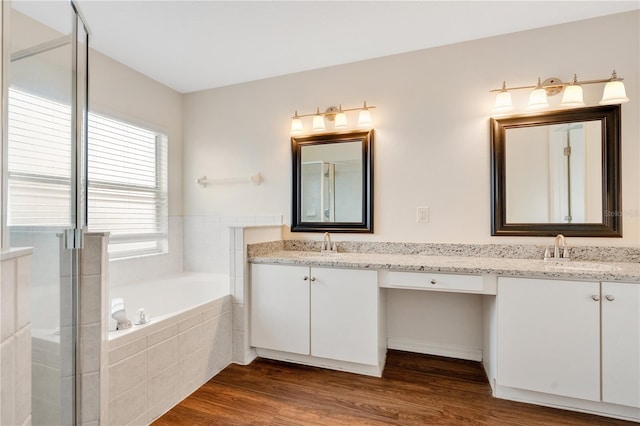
(581, 270)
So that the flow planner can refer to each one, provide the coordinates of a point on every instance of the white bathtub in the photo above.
(169, 295)
(187, 341)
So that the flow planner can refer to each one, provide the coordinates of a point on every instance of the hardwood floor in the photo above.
(414, 390)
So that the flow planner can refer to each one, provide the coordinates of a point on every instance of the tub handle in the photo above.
(141, 317)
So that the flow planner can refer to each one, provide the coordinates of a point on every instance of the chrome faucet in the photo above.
(326, 244)
(559, 243)
(119, 314)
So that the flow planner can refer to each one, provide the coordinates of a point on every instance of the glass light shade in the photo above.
(503, 102)
(614, 93)
(538, 99)
(572, 96)
(364, 119)
(340, 120)
(296, 125)
(318, 122)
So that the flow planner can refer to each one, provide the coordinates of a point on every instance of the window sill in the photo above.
(116, 257)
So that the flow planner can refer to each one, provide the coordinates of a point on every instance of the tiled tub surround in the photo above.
(154, 366)
(15, 337)
(241, 237)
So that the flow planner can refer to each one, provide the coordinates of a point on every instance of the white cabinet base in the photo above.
(368, 370)
(566, 403)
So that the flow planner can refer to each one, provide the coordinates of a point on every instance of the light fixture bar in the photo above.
(331, 112)
(558, 83)
(614, 93)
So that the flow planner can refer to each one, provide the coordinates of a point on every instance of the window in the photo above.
(127, 175)
(127, 186)
(39, 161)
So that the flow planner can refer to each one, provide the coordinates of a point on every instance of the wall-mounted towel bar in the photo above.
(255, 179)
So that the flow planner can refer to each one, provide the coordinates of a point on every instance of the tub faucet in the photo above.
(326, 244)
(119, 314)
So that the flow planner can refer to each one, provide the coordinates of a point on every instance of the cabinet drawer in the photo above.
(434, 281)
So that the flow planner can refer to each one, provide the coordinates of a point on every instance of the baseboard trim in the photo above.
(368, 370)
(567, 403)
(459, 352)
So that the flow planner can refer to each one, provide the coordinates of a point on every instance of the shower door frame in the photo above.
(73, 237)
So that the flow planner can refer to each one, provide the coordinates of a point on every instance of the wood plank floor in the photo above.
(414, 390)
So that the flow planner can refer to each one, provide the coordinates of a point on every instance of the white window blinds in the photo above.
(127, 185)
(127, 175)
(39, 161)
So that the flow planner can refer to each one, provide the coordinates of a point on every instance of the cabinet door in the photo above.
(344, 315)
(549, 336)
(280, 308)
(621, 343)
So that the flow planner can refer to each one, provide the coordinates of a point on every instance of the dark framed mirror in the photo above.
(332, 183)
(557, 173)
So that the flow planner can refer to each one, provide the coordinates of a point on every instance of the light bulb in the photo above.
(364, 118)
(318, 121)
(503, 102)
(614, 93)
(538, 98)
(572, 96)
(340, 119)
(296, 124)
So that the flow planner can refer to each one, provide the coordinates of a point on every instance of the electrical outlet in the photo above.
(422, 214)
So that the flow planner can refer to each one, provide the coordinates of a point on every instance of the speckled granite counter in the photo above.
(581, 270)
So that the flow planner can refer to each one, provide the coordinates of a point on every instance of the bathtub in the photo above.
(168, 296)
(187, 341)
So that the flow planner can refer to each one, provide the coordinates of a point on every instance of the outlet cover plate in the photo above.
(422, 214)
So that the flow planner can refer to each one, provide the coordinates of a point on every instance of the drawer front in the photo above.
(434, 281)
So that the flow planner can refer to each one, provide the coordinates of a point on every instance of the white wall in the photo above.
(432, 135)
(120, 92)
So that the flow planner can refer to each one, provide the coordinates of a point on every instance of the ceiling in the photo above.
(197, 45)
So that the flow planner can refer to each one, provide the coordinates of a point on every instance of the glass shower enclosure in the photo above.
(44, 185)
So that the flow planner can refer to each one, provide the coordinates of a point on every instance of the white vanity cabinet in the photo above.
(321, 312)
(549, 336)
(280, 308)
(570, 338)
(621, 343)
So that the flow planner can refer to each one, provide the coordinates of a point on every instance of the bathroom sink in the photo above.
(582, 266)
(315, 254)
(329, 253)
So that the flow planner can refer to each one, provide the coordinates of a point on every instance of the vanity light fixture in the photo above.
(572, 96)
(336, 115)
(364, 118)
(538, 98)
(318, 121)
(296, 123)
(340, 119)
(614, 93)
(503, 100)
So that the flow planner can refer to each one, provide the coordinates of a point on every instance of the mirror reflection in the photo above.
(332, 182)
(554, 173)
(557, 172)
